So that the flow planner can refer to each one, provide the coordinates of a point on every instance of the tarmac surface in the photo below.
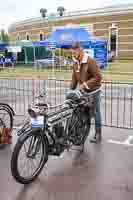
(103, 172)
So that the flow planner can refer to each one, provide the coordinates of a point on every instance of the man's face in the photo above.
(76, 52)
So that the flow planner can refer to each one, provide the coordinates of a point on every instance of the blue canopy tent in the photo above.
(41, 43)
(3, 46)
(65, 37)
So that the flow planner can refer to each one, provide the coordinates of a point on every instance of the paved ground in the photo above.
(102, 172)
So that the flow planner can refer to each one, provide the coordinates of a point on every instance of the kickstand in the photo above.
(81, 150)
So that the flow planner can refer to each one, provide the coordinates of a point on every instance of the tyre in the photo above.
(78, 128)
(34, 145)
(7, 118)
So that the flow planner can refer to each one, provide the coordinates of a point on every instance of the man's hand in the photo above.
(84, 86)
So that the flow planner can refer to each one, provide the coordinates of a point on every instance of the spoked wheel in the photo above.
(6, 118)
(29, 157)
(78, 128)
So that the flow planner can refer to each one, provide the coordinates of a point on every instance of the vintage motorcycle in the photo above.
(50, 132)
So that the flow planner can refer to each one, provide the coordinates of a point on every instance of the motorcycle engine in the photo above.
(58, 129)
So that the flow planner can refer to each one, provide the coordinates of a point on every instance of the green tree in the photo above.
(63, 52)
(4, 36)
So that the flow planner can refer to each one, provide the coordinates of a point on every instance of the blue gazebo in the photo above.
(3, 46)
(66, 36)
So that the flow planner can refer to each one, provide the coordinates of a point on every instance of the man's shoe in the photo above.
(97, 138)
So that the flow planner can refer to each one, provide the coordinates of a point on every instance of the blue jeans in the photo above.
(98, 118)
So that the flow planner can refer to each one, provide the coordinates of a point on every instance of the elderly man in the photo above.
(87, 74)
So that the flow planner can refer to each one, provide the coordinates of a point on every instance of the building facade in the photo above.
(114, 24)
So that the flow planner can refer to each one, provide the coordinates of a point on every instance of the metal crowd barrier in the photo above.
(116, 98)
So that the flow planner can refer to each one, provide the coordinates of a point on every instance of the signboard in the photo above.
(66, 36)
(90, 52)
(5, 60)
(100, 55)
(14, 49)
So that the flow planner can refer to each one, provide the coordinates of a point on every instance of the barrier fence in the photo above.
(116, 98)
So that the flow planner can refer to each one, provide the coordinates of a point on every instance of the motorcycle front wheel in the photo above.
(29, 156)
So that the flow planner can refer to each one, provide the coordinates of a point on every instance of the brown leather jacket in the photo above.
(89, 73)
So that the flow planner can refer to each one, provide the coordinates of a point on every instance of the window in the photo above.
(27, 37)
(113, 40)
(41, 36)
(18, 37)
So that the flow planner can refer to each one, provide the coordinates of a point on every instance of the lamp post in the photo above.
(43, 12)
(50, 19)
(60, 11)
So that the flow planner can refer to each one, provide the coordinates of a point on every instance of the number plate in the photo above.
(37, 122)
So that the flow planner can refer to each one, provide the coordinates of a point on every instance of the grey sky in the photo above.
(14, 10)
